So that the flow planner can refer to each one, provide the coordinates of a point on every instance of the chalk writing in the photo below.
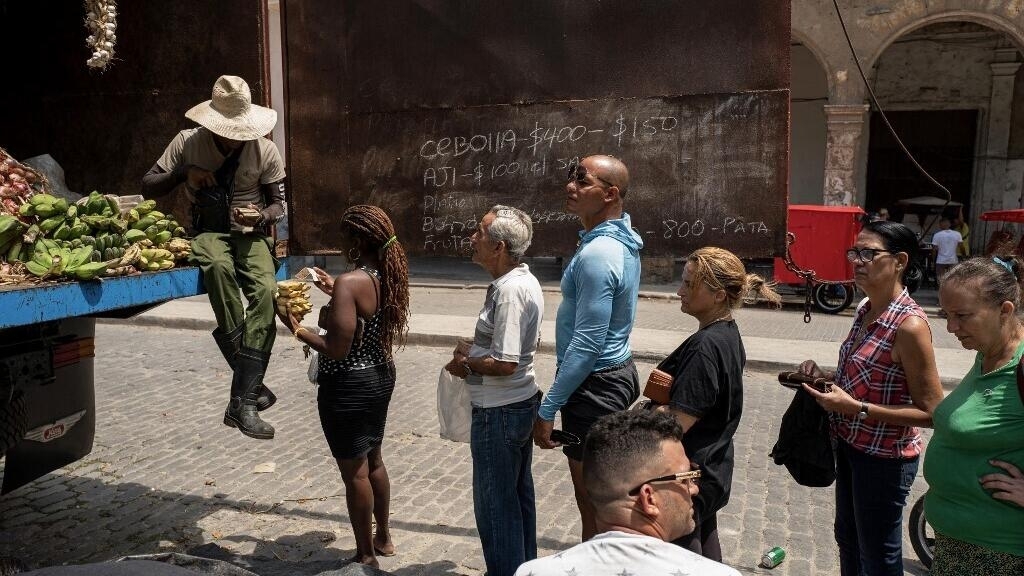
(695, 163)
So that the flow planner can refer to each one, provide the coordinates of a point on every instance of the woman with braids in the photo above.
(975, 458)
(367, 316)
(886, 387)
(706, 396)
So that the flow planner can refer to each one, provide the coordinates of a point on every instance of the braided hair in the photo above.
(372, 225)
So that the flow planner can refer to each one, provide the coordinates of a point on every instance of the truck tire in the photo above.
(12, 422)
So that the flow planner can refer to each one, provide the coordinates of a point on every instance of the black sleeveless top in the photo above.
(369, 351)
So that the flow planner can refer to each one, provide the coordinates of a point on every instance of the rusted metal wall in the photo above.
(692, 95)
(107, 129)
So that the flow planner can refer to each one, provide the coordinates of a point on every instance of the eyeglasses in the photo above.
(579, 173)
(864, 254)
(677, 477)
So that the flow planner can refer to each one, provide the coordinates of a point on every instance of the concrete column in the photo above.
(997, 191)
(844, 128)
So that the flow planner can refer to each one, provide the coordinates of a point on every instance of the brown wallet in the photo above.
(795, 379)
(659, 386)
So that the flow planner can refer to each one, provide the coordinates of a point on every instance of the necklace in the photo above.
(723, 318)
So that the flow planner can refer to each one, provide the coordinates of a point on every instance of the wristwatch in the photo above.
(863, 411)
(469, 371)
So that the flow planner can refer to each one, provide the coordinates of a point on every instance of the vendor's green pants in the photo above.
(233, 261)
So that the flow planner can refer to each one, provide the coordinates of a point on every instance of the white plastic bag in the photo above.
(454, 411)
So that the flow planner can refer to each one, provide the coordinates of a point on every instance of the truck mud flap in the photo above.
(59, 400)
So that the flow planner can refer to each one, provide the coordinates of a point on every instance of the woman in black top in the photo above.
(707, 388)
(367, 316)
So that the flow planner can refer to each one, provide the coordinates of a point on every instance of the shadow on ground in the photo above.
(93, 521)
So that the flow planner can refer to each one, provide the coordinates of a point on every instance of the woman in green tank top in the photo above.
(973, 464)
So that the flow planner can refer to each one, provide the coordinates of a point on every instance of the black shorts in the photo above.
(605, 391)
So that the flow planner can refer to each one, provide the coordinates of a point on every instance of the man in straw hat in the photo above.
(235, 180)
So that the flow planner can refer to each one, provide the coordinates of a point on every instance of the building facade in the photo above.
(947, 75)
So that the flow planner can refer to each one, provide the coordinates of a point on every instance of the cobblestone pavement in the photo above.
(166, 475)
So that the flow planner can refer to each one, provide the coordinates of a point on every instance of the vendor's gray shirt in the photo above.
(508, 329)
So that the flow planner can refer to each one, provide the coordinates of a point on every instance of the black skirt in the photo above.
(353, 408)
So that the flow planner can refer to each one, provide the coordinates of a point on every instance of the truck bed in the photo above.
(25, 305)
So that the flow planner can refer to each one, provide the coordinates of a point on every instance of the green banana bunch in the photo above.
(97, 222)
(42, 262)
(145, 207)
(11, 230)
(144, 223)
(91, 270)
(79, 256)
(132, 236)
(38, 199)
(14, 252)
(50, 224)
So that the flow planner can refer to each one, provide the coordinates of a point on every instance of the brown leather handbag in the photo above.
(659, 386)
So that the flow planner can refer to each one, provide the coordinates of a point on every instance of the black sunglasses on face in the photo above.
(579, 173)
(864, 254)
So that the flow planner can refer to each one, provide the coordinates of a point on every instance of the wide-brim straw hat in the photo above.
(230, 112)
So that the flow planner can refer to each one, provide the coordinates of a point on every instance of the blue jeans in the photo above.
(870, 495)
(501, 441)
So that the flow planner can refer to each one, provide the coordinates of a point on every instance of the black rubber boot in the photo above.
(245, 389)
(230, 343)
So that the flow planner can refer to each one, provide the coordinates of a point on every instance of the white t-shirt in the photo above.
(622, 554)
(945, 242)
(508, 330)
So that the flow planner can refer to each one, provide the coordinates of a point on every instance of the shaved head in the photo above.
(611, 170)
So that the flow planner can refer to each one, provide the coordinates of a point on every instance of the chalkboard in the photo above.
(438, 109)
(705, 170)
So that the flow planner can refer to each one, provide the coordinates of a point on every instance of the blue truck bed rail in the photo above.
(26, 305)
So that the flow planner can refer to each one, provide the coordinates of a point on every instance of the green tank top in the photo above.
(982, 420)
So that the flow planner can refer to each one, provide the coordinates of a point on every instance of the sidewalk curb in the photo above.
(448, 341)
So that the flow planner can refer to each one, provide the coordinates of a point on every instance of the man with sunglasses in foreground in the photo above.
(642, 488)
(596, 374)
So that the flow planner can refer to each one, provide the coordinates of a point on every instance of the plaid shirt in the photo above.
(869, 374)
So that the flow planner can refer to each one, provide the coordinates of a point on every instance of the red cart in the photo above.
(1002, 239)
(823, 234)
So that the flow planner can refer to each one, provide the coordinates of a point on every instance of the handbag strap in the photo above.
(225, 175)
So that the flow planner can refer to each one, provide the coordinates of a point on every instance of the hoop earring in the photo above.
(354, 259)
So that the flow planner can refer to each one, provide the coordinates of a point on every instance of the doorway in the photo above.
(942, 141)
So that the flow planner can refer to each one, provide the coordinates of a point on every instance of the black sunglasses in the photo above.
(864, 254)
(579, 173)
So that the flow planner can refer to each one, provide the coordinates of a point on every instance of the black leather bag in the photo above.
(211, 208)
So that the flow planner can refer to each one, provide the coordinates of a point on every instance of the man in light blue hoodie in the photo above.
(596, 374)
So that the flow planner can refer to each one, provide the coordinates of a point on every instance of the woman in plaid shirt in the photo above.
(886, 387)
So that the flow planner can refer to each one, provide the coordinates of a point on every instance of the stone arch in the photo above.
(992, 181)
(810, 89)
(995, 22)
(819, 55)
